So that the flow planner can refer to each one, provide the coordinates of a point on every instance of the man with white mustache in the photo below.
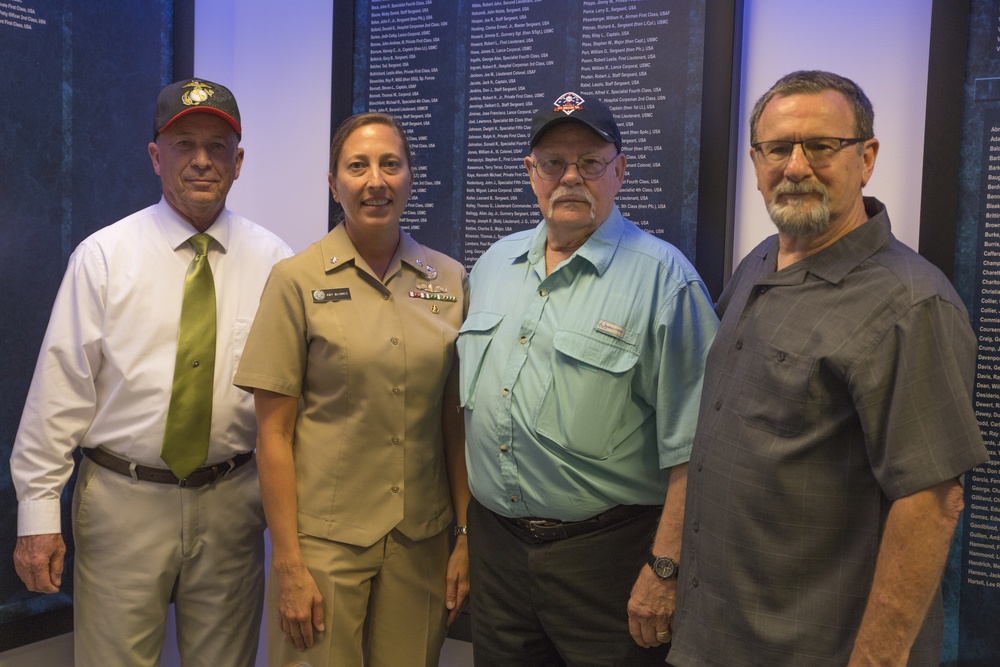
(836, 418)
(581, 369)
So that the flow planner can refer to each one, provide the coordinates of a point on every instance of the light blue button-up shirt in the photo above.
(581, 388)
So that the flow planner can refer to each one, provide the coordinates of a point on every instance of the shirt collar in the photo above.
(598, 250)
(412, 253)
(837, 260)
(177, 230)
(337, 250)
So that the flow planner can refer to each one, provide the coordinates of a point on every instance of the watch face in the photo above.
(664, 567)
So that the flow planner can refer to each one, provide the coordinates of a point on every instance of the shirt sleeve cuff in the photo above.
(38, 517)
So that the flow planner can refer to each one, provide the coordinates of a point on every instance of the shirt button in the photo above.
(505, 392)
(514, 499)
(718, 405)
(543, 292)
(504, 448)
(394, 341)
(762, 289)
(695, 526)
(395, 440)
(700, 466)
(396, 390)
(195, 363)
(385, 297)
(781, 356)
(395, 489)
(694, 582)
(739, 344)
(523, 340)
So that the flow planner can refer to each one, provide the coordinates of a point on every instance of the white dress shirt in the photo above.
(105, 370)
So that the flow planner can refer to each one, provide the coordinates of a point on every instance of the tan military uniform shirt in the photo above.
(371, 363)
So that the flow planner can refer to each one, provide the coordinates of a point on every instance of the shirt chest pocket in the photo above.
(774, 394)
(474, 340)
(590, 386)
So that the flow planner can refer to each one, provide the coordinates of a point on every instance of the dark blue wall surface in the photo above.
(78, 86)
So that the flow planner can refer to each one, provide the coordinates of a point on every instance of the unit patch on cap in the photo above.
(568, 103)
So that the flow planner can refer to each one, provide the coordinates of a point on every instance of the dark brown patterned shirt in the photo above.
(834, 387)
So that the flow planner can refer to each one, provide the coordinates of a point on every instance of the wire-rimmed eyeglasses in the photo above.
(589, 168)
(819, 151)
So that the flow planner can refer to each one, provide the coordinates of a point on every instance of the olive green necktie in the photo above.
(189, 418)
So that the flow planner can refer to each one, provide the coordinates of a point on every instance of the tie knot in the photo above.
(200, 243)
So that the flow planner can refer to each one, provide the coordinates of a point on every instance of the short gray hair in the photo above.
(813, 82)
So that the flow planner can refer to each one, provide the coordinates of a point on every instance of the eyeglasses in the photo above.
(819, 151)
(589, 168)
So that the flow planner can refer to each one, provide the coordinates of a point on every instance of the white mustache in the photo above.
(574, 193)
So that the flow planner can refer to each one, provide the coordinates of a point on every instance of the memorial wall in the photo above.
(977, 276)
(465, 79)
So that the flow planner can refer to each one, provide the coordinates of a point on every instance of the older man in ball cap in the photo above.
(136, 370)
(582, 360)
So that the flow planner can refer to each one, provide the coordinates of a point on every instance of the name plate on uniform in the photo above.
(325, 295)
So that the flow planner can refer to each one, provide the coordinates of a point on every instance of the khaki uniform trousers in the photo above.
(141, 545)
(384, 602)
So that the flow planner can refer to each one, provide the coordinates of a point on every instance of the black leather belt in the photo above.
(548, 530)
(200, 477)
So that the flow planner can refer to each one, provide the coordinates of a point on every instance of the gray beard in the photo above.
(800, 219)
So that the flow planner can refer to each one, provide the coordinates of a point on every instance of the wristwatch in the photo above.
(664, 567)
(461, 530)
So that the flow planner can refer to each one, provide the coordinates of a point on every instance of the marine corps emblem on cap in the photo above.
(199, 93)
(568, 103)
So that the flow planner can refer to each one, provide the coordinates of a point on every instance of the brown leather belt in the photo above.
(199, 477)
(548, 530)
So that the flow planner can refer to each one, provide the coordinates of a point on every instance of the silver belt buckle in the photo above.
(545, 529)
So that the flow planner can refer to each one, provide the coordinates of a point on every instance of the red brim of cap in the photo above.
(212, 110)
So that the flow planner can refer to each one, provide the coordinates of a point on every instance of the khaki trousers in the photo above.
(141, 545)
(384, 602)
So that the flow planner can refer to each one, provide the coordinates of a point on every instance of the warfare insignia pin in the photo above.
(431, 287)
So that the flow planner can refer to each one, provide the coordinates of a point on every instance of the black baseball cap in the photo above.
(195, 96)
(590, 111)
